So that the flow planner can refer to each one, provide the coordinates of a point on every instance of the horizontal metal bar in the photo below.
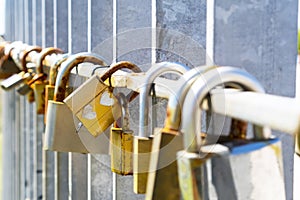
(277, 112)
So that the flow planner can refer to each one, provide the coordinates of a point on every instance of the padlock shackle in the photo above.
(118, 66)
(173, 118)
(8, 52)
(54, 68)
(155, 71)
(123, 101)
(42, 55)
(191, 113)
(65, 70)
(27, 51)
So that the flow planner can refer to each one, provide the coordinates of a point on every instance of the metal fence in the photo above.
(257, 36)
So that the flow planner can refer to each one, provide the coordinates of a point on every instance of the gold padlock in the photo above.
(62, 129)
(122, 141)
(94, 103)
(49, 90)
(39, 86)
(162, 179)
(143, 142)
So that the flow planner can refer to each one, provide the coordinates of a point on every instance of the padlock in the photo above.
(162, 179)
(26, 88)
(39, 76)
(94, 103)
(8, 66)
(24, 54)
(143, 142)
(122, 141)
(15, 80)
(63, 130)
(39, 85)
(49, 90)
(228, 171)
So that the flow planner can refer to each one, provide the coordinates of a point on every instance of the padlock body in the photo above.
(49, 95)
(61, 134)
(94, 105)
(30, 96)
(297, 144)
(64, 134)
(13, 81)
(141, 159)
(251, 169)
(39, 95)
(192, 175)
(8, 68)
(163, 177)
(24, 89)
(121, 151)
(241, 169)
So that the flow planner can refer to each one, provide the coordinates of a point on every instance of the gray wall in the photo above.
(258, 36)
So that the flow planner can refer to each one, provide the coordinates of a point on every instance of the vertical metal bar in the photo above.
(27, 152)
(70, 197)
(210, 32)
(22, 111)
(30, 150)
(22, 149)
(89, 47)
(61, 40)
(101, 42)
(8, 151)
(141, 54)
(48, 156)
(17, 130)
(38, 120)
(78, 43)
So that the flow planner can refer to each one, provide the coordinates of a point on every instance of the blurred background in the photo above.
(2, 31)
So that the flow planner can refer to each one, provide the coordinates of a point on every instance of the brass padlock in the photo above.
(24, 54)
(122, 141)
(39, 85)
(143, 142)
(94, 103)
(49, 90)
(191, 160)
(62, 128)
(162, 179)
(26, 87)
(8, 66)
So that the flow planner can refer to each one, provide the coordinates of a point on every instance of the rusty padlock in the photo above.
(122, 141)
(39, 85)
(25, 89)
(62, 128)
(143, 142)
(28, 50)
(49, 90)
(193, 179)
(162, 179)
(94, 103)
(8, 66)
(16, 78)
